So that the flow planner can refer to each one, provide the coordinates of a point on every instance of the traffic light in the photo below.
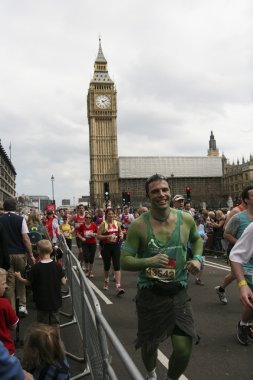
(106, 191)
(128, 197)
(124, 197)
(188, 192)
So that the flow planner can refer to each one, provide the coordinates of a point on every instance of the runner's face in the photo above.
(88, 219)
(81, 210)
(159, 194)
(2, 285)
(110, 215)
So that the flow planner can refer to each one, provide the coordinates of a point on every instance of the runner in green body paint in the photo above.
(156, 248)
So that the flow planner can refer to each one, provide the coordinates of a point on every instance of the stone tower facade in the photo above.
(102, 119)
(213, 151)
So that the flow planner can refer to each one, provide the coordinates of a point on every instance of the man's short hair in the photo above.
(245, 193)
(44, 247)
(153, 178)
(10, 204)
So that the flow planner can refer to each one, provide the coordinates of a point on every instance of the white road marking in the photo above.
(165, 361)
(101, 294)
(218, 267)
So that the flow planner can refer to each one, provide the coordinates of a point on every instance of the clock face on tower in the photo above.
(103, 101)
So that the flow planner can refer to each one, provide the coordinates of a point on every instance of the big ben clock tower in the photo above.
(102, 118)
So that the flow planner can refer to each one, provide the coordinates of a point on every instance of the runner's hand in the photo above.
(246, 296)
(158, 261)
(193, 266)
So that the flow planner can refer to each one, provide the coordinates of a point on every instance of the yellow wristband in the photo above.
(242, 283)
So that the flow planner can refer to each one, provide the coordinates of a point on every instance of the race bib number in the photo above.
(165, 274)
(66, 233)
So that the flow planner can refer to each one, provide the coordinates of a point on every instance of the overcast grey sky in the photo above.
(182, 68)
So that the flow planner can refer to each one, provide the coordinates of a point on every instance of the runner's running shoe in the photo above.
(106, 285)
(242, 334)
(222, 295)
(120, 291)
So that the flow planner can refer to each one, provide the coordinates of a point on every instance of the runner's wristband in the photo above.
(242, 283)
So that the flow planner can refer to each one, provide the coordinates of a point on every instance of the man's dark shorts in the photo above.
(161, 316)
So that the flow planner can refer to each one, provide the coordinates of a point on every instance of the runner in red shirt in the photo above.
(110, 235)
(78, 219)
(87, 233)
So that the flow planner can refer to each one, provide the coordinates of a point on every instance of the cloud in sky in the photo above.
(181, 70)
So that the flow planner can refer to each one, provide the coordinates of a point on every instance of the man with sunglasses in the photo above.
(156, 247)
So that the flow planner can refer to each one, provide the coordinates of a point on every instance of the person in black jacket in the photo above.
(4, 254)
(15, 232)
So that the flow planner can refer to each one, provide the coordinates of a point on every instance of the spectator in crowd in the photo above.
(178, 202)
(10, 367)
(217, 223)
(4, 254)
(142, 209)
(34, 223)
(208, 228)
(15, 231)
(46, 278)
(188, 208)
(44, 353)
(8, 317)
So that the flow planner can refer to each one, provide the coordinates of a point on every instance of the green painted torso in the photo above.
(173, 248)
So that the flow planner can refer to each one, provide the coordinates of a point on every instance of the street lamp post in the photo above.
(52, 179)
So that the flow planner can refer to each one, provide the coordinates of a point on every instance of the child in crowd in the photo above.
(8, 317)
(44, 353)
(46, 278)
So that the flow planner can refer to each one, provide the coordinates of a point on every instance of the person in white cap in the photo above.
(178, 202)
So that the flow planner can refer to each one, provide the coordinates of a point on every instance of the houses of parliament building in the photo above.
(211, 178)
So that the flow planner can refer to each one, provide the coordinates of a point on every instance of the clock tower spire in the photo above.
(102, 119)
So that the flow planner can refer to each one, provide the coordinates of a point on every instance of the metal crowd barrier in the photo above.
(93, 327)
